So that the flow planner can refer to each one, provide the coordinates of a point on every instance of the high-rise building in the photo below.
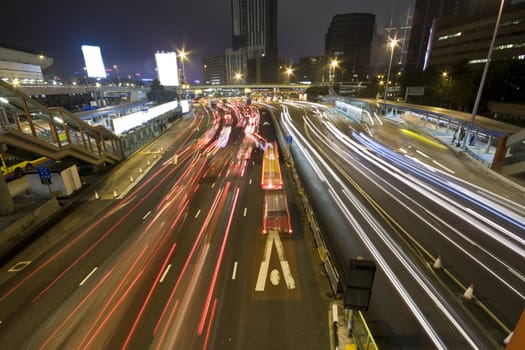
(436, 25)
(458, 42)
(348, 43)
(310, 69)
(254, 27)
(213, 69)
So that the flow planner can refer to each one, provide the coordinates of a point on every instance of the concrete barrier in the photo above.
(26, 226)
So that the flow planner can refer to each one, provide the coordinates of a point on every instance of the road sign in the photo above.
(45, 174)
(289, 139)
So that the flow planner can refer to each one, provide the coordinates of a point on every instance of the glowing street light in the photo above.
(118, 75)
(333, 64)
(392, 44)
(238, 77)
(183, 55)
(288, 72)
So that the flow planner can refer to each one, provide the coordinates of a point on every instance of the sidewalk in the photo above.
(475, 148)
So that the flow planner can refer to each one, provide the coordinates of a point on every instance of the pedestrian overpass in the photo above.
(28, 128)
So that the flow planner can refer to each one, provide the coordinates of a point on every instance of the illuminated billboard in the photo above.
(94, 64)
(167, 68)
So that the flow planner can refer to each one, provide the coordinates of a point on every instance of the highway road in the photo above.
(403, 204)
(171, 260)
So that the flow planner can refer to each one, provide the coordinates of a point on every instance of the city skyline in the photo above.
(131, 39)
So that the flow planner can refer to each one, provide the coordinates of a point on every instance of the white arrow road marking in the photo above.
(273, 237)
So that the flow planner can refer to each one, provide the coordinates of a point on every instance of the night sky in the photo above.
(129, 32)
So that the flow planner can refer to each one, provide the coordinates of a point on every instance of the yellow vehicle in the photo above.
(14, 167)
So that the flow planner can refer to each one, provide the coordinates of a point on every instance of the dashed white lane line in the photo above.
(234, 274)
(87, 277)
(165, 273)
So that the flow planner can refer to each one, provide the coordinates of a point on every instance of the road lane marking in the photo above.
(147, 214)
(245, 210)
(263, 269)
(271, 239)
(198, 213)
(165, 273)
(234, 274)
(87, 277)
(250, 182)
(19, 266)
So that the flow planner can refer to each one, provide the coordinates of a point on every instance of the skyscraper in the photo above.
(348, 42)
(431, 16)
(254, 26)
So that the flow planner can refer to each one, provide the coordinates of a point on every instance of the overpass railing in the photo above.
(59, 133)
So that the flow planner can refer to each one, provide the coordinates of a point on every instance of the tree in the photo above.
(159, 94)
(313, 92)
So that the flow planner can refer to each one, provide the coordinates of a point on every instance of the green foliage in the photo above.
(159, 94)
(313, 92)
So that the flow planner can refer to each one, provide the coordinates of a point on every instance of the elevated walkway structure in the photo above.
(28, 128)
(497, 145)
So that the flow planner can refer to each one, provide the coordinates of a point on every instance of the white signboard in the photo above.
(94, 64)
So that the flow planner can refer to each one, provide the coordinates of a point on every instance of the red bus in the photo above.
(276, 216)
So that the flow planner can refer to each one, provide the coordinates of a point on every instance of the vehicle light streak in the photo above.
(306, 148)
(219, 260)
(212, 317)
(447, 203)
(116, 290)
(204, 226)
(462, 192)
(458, 207)
(66, 321)
(165, 267)
(112, 311)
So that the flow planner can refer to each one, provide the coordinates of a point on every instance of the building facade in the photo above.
(348, 42)
(457, 42)
(22, 66)
(311, 70)
(214, 70)
(448, 32)
(254, 30)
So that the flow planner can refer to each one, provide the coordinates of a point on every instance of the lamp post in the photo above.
(484, 75)
(392, 43)
(288, 72)
(448, 79)
(182, 55)
(333, 64)
(238, 77)
(118, 75)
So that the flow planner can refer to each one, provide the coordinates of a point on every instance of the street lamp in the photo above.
(182, 55)
(238, 77)
(333, 64)
(118, 75)
(448, 78)
(289, 72)
(392, 43)
(484, 75)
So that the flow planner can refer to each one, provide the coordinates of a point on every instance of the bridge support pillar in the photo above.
(6, 202)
